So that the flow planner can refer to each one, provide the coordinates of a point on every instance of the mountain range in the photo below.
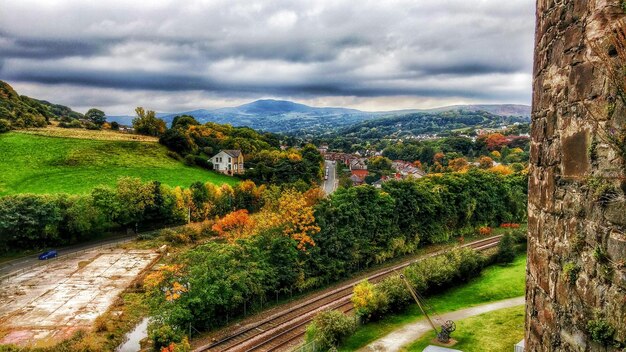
(286, 116)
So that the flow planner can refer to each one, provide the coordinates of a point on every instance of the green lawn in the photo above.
(495, 331)
(40, 164)
(496, 283)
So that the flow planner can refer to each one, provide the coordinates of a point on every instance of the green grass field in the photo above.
(496, 283)
(495, 331)
(40, 164)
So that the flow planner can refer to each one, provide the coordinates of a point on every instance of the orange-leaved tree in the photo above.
(235, 225)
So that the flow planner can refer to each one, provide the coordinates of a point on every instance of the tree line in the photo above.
(352, 229)
(30, 221)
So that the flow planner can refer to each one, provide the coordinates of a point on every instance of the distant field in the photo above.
(103, 135)
(38, 164)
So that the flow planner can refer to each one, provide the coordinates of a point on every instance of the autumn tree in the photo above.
(485, 162)
(235, 225)
(496, 141)
(458, 164)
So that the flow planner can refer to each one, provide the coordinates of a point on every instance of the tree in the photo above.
(115, 126)
(458, 164)
(97, 117)
(147, 123)
(234, 226)
(496, 141)
(184, 121)
(485, 162)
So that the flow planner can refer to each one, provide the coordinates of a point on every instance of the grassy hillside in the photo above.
(21, 111)
(41, 164)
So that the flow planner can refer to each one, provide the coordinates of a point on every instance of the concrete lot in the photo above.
(53, 301)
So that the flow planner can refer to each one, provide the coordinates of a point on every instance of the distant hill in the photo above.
(286, 116)
(22, 111)
(496, 109)
(427, 123)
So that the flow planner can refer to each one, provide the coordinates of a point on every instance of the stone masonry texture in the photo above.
(576, 210)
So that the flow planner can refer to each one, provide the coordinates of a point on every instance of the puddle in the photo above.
(132, 338)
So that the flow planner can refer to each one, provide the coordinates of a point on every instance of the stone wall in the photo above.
(576, 210)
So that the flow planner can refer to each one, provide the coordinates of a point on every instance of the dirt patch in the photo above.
(52, 302)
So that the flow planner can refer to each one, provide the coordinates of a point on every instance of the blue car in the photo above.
(48, 255)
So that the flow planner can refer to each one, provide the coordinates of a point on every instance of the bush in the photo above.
(115, 126)
(329, 328)
(5, 125)
(506, 250)
(190, 160)
(174, 155)
(91, 126)
(203, 162)
(484, 230)
(163, 335)
(369, 303)
(431, 274)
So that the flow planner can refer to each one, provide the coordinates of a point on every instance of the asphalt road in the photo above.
(331, 184)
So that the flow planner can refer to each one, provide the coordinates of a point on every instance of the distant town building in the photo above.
(406, 169)
(356, 180)
(229, 162)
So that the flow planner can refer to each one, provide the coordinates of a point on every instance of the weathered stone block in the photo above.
(574, 151)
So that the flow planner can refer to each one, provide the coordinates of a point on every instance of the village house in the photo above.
(229, 162)
(406, 169)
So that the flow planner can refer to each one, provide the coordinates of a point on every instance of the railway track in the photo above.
(284, 328)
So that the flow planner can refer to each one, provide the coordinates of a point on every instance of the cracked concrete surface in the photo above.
(52, 302)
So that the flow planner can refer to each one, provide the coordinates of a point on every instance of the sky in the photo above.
(173, 56)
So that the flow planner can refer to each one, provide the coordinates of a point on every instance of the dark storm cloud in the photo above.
(480, 50)
(33, 48)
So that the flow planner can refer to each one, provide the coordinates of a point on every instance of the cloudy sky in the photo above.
(183, 55)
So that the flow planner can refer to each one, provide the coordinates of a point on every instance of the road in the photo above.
(331, 184)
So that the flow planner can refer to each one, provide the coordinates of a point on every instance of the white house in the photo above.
(229, 162)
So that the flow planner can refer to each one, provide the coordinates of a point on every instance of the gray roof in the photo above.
(232, 152)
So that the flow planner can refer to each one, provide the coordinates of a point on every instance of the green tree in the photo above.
(97, 117)
(147, 123)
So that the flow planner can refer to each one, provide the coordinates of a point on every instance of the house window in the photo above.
(229, 160)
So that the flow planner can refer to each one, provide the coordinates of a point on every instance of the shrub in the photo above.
(203, 162)
(190, 160)
(5, 125)
(329, 328)
(398, 297)
(506, 250)
(91, 126)
(115, 126)
(484, 230)
(174, 155)
(369, 303)
(163, 335)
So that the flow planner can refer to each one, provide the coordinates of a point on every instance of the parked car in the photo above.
(48, 255)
